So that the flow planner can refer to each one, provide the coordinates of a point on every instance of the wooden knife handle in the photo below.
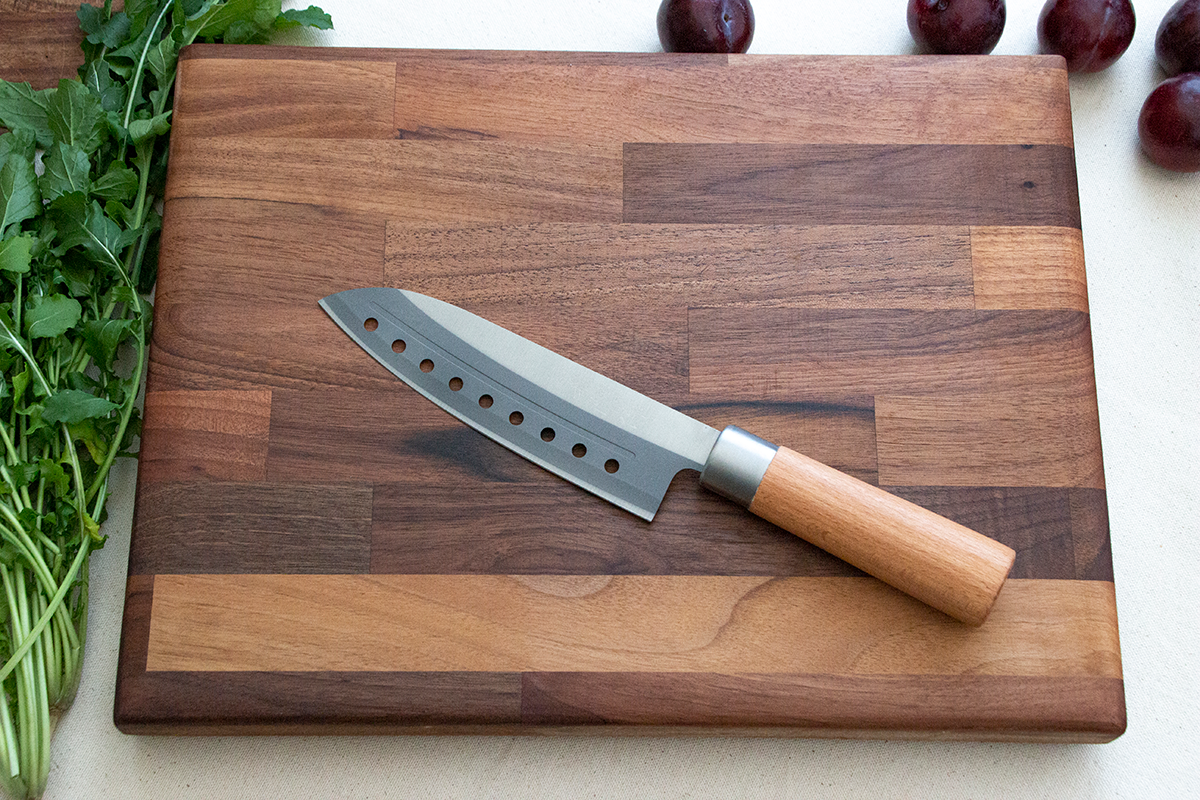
(934, 559)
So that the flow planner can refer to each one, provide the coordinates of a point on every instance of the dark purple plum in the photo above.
(956, 27)
(1089, 34)
(1169, 125)
(705, 26)
(1177, 43)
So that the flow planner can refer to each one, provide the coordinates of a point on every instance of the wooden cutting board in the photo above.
(875, 261)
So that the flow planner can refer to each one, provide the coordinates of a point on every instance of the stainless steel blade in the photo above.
(600, 435)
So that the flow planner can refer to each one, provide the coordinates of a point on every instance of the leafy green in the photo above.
(311, 16)
(19, 197)
(74, 405)
(82, 171)
(22, 108)
(16, 253)
(52, 315)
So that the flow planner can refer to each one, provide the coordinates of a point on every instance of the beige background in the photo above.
(1141, 229)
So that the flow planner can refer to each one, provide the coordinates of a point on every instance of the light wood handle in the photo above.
(934, 559)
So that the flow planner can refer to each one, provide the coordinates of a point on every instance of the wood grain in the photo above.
(581, 265)
(286, 98)
(602, 623)
(714, 99)
(272, 702)
(433, 181)
(214, 435)
(817, 184)
(221, 527)
(826, 705)
(968, 385)
(1028, 267)
(1058, 436)
(886, 276)
(39, 47)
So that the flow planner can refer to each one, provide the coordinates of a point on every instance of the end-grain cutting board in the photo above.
(876, 261)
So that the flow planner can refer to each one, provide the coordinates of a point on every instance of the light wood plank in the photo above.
(888, 100)
(1028, 267)
(631, 624)
(999, 439)
(430, 181)
(205, 435)
(285, 98)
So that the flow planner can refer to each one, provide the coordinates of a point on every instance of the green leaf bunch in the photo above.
(82, 170)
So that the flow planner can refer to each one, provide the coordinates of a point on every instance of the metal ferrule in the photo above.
(737, 464)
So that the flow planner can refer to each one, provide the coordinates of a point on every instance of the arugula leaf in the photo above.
(102, 338)
(216, 18)
(311, 16)
(87, 226)
(76, 116)
(108, 32)
(67, 170)
(142, 129)
(98, 77)
(119, 183)
(19, 142)
(53, 473)
(22, 108)
(73, 405)
(162, 58)
(16, 253)
(19, 197)
(51, 315)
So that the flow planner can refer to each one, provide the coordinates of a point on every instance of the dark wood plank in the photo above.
(1089, 524)
(851, 184)
(1036, 522)
(992, 398)
(217, 253)
(659, 265)
(1004, 707)
(396, 436)
(219, 527)
(305, 703)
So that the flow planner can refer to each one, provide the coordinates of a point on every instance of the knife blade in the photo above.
(627, 448)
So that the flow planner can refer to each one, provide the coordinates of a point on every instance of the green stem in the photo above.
(134, 93)
(47, 615)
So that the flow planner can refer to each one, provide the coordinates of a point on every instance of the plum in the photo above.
(956, 27)
(705, 26)
(1169, 125)
(1177, 43)
(1090, 34)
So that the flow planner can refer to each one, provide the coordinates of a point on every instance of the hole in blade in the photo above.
(427, 366)
(579, 450)
(516, 418)
(371, 323)
(456, 384)
(611, 466)
(485, 401)
(547, 434)
(399, 346)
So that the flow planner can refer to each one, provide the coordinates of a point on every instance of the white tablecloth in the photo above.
(1141, 228)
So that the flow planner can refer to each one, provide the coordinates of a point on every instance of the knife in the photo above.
(627, 448)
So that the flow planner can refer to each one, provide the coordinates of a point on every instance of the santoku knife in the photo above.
(625, 447)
